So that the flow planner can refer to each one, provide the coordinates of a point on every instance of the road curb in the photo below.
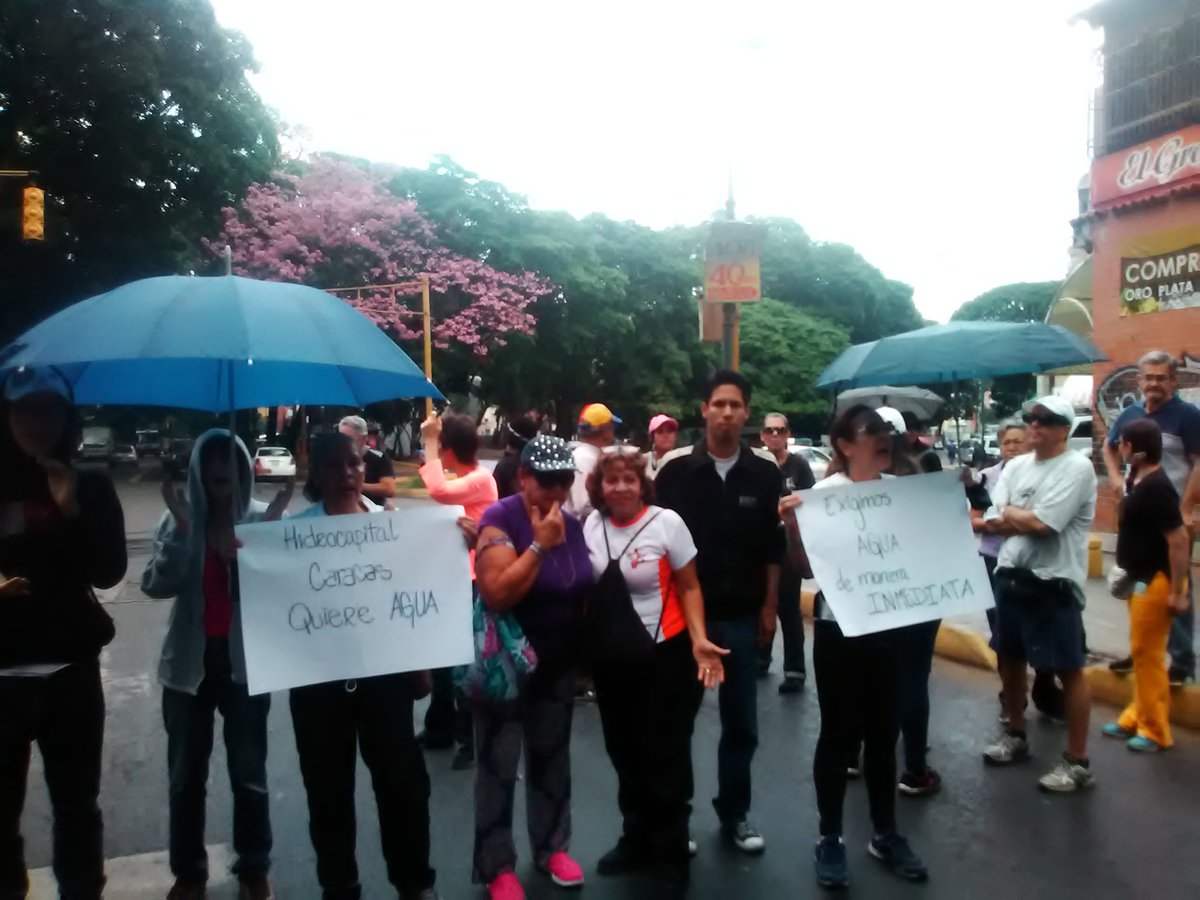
(965, 646)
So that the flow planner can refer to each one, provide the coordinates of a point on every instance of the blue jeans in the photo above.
(915, 661)
(738, 700)
(1181, 643)
(189, 723)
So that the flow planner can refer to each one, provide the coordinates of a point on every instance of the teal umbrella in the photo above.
(958, 351)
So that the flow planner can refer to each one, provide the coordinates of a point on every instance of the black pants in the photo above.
(858, 691)
(791, 625)
(448, 718)
(915, 660)
(189, 721)
(647, 719)
(64, 714)
(332, 721)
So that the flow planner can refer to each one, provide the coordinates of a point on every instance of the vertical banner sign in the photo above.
(894, 552)
(731, 265)
(338, 597)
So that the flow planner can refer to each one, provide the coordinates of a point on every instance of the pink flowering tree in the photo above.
(335, 224)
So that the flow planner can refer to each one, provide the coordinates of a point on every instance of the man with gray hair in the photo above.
(379, 478)
(1180, 424)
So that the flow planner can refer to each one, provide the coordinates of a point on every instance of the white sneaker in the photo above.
(745, 837)
(1067, 777)
(693, 847)
(1010, 748)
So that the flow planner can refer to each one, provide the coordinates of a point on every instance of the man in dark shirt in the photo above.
(729, 497)
(379, 478)
(797, 476)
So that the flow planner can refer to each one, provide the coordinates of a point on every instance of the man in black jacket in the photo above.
(728, 496)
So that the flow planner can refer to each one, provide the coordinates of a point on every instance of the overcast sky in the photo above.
(943, 139)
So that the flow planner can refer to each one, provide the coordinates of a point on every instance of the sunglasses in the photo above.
(548, 480)
(620, 450)
(774, 429)
(1046, 420)
(876, 429)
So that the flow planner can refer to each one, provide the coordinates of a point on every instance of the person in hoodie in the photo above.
(336, 720)
(203, 666)
(62, 533)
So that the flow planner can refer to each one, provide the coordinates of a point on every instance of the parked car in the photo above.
(123, 455)
(818, 458)
(274, 462)
(97, 443)
(148, 443)
(177, 457)
(1080, 436)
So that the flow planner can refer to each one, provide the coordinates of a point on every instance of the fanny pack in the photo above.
(1026, 588)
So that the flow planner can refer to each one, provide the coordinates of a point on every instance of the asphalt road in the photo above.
(989, 834)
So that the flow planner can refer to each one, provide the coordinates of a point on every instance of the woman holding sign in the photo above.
(532, 559)
(650, 654)
(374, 714)
(857, 681)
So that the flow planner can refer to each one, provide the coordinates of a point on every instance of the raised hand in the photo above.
(549, 530)
(470, 531)
(280, 504)
(63, 482)
(177, 505)
(431, 428)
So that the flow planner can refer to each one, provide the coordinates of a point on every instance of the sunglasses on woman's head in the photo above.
(875, 429)
(620, 450)
(774, 429)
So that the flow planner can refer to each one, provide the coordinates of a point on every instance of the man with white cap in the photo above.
(379, 478)
(664, 433)
(1043, 506)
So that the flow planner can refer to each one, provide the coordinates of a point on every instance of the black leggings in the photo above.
(857, 688)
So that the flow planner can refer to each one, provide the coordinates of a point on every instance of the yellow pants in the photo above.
(1149, 624)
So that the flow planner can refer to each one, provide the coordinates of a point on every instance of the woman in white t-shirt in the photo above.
(857, 680)
(650, 656)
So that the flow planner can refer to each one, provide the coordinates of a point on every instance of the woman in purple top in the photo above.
(532, 560)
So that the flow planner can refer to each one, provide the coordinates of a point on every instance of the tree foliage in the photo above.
(1025, 301)
(139, 119)
(783, 352)
(336, 224)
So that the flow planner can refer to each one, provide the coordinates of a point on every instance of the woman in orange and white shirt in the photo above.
(651, 658)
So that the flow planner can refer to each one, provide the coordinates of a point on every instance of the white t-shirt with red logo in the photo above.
(663, 547)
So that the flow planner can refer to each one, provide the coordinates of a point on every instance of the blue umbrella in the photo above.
(219, 344)
(958, 351)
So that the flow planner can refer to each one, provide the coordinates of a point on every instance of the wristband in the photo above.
(537, 549)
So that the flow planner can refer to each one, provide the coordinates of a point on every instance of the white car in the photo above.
(818, 458)
(1080, 437)
(274, 462)
(123, 455)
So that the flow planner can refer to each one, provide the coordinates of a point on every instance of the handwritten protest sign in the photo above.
(894, 552)
(338, 597)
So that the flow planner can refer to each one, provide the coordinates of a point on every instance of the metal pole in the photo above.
(428, 340)
(729, 336)
(228, 260)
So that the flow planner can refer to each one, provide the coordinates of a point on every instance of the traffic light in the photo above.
(33, 215)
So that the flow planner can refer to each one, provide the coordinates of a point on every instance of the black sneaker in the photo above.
(792, 684)
(893, 851)
(621, 860)
(188, 890)
(829, 861)
(1179, 676)
(435, 741)
(745, 837)
(464, 758)
(1121, 666)
(930, 782)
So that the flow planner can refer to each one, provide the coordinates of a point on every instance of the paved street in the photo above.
(990, 834)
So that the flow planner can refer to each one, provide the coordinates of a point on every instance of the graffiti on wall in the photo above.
(1120, 388)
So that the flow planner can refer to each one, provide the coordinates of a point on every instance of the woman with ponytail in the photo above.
(1153, 547)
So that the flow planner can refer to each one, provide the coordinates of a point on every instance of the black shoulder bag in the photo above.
(615, 639)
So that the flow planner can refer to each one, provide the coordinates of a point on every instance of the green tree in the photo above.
(783, 352)
(1024, 301)
(139, 119)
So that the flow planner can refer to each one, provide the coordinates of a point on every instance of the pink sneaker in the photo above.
(506, 887)
(564, 871)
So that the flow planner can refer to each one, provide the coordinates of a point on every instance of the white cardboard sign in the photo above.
(894, 552)
(338, 597)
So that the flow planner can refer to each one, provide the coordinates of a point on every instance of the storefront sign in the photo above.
(731, 268)
(1160, 272)
(1164, 161)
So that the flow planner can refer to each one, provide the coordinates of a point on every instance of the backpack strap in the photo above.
(636, 535)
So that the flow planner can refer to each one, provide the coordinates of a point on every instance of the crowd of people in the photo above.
(639, 578)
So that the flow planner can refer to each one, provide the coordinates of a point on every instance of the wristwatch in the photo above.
(537, 549)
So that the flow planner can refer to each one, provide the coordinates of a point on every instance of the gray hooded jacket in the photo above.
(177, 570)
